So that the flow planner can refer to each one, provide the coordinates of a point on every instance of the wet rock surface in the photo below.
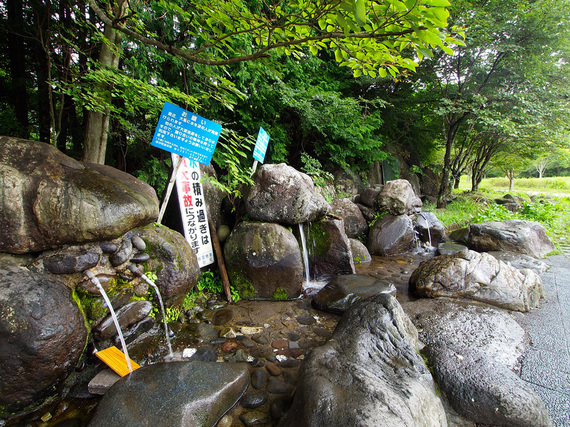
(368, 374)
(392, 235)
(344, 291)
(57, 200)
(480, 277)
(42, 336)
(187, 387)
(354, 223)
(398, 198)
(524, 237)
(264, 261)
(282, 194)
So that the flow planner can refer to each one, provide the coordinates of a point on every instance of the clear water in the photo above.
(153, 285)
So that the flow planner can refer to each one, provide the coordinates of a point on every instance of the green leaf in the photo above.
(360, 12)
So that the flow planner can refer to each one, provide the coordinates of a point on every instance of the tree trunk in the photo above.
(97, 126)
(17, 55)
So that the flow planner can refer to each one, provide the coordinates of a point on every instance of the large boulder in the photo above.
(368, 374)
(42, 336)
(479, 277)
(264, 261)
(49, 199)
(344, 291)
(185, 394)
(284, 195)
(173, 261)
(392, 235)
(398, 198)
(474, 351)
(329, 249)
(429, 228)
(485, 391)
(354, 223)
(523, 237)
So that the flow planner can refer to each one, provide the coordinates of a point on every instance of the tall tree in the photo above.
(497, 68)
(367, 36)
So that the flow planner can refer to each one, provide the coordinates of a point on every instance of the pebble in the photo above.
(207, 332)
(289, 363)
(306, 319)
(273, 369)
(258, 378)
(140, 257)
(277, 386)
(293, 336)
(205, 354)
(138, 243)
(253, 418)
(279, 406)
(229, 346)
(253, 400)
(261, 339)
(222, 317)
(108, 247)
(282, 343)
(218, 341)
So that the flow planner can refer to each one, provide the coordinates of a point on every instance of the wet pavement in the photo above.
(546, 365)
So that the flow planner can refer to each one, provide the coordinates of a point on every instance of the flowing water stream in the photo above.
(97, 283)
(166, 332)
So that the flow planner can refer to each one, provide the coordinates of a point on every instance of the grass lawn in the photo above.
(546, 201)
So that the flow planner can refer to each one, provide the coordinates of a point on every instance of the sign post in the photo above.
(190, 138)
(260, 148)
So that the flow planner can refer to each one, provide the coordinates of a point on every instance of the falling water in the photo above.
(135, 271)
(97, 283)
(428, 228)
(305, 254)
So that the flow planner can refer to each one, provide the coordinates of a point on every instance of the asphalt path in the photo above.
(546, 366)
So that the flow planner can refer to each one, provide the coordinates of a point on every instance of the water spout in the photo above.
(97, 283)
(305, 254)
(133, 269)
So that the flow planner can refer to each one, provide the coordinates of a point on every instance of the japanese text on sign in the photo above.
(186, 134)
(261, 145)
(193, 210)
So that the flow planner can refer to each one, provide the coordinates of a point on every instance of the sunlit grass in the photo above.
(552, 211)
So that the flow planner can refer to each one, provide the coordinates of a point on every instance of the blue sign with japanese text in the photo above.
(261, 145)
(186, 134)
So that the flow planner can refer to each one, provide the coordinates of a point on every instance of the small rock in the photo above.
(276, 386)
(228, 333)
(273, 369)
(253, 418)
(253, 400)
(188, 352)
(205, 354)
(293, 336)
(261, 339)
(218, 341)
(108, 247)
(222, 317)
(140, 257)
(138, 243)
(123, 254)
(282, 343)
(258, 378)
(251, 330)
(279, 406)
(306, 319)
(103, 382)
(229, 346)
(207, 332)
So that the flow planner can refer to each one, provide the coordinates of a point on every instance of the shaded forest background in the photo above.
(498, 103)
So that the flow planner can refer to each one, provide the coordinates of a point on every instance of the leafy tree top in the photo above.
(369, 36)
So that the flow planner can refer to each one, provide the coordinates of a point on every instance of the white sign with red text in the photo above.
(193, 210)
